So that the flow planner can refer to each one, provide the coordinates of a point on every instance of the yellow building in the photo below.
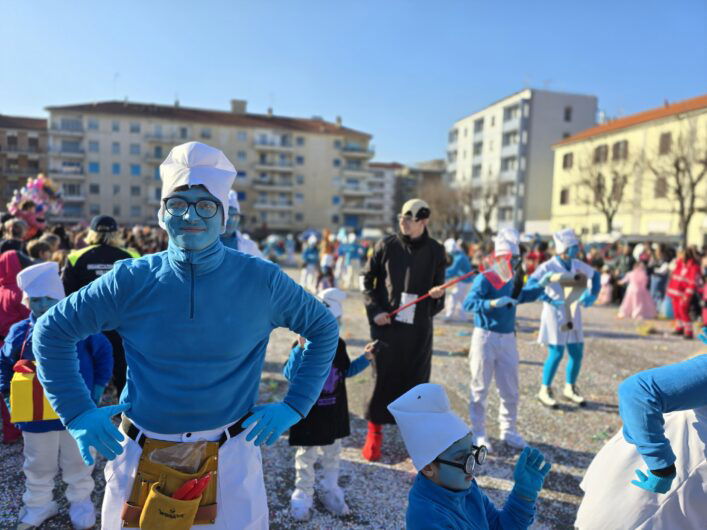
(628, 167)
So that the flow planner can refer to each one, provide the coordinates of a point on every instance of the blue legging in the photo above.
(554, 356)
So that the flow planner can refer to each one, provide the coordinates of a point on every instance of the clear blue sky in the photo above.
(401, 70)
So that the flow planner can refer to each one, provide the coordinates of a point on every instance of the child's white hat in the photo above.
(41, 280)
(333, 298)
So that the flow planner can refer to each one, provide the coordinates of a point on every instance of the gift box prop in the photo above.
(27, 399)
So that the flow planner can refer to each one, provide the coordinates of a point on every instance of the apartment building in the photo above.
(383, 187)
(293, 173)
(594, 160)
(23, 152)
(506, 149)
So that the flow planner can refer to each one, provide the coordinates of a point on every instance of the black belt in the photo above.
(134, 433)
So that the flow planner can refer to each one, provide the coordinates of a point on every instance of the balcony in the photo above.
(58, 174)
(356, 171)
(355, 191)
(273, 205)
(20, 171)
(67, 153)
(283, 167)
(514, 123)
(57, 130)
(272, 145)
(508, 201)
(14, 150)
(152, 158)
(358, 209)
(356, 151)
(160, 138)
(273, 185)
(508, 175)
(80, 197)
(510, 150)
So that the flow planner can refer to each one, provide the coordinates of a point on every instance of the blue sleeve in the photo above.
(596, 283)
(544, 298)
(531, 291)
(9, 354)
(357, 366)
(516, 514)
(294, 308)
(646, 396)
(102, 351)
(476, 300)
(293, 362)
(86, 312)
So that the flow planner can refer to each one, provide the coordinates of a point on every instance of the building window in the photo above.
(299, 179)
(476, 171)
(94, 209)
(94, 189)
(94, 167)
(493, 121)
(242, 136)
(116, 210)
(135, 170)
(71, 190)
(134, 191)
(116, 189)
(242, 156)
(134, 149)
(299, 160)
(335, 219)
(567, 160)
(135, 211)
(335, 199)
(115, 126)
(666, 141)
(509, 163)
(453, 136)
(206, 133)
(300, 141)
(478, 125)
(241, 195)
(511, 113)
(337, 162)
(156, 174)
(510, 138)
(299, 216)
(242, 175)
(134, 127)
(660, 190)
(93, 146)
(337, 144)
(115, 169)
(183, 132)
(601, 153)
(93, 124)
(568, 113)
(619, 151)
(477, 148)
(115, 148)
(299, 198)
(564, 196)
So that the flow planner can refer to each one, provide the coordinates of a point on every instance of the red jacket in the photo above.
(11, 308)
(685, 280)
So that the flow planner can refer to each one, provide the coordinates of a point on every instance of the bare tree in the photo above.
(448, 213)
(679, 168)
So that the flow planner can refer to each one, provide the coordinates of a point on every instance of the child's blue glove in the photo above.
(703, 336)
(270, 421)
(587, 299)
(652, 482)
(530, 473)
(95, 428)
(97, 393)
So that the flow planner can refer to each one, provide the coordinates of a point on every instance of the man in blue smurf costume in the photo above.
(195, 320)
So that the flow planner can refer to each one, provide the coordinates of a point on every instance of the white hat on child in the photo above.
(507, 241)
(333, 298)
(565, 239)
(233, 200)
(39, 281)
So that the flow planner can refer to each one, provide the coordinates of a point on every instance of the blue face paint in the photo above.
(41, 305)
(451, 477)
(573, 251)
(232, 221)
(190, 231)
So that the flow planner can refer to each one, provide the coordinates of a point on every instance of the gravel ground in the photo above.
(377, 492)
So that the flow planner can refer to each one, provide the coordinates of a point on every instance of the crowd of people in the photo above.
(179, 318)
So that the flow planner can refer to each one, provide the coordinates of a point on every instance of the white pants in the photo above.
(492, 354)
(306, 457)
(308, 277)
(352, 273)
(242, 503)
(455, 299)
(45, 453)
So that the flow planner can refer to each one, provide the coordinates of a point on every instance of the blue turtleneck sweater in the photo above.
(431, 506)
(195, 325)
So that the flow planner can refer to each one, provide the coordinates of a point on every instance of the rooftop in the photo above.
(22, 122)
(669, 109)
(385, 165)
(217, 117)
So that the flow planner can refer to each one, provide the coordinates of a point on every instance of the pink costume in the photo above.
(637, 302)
(607, 290)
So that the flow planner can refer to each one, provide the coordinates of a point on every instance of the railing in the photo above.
(357, 149)
(20, 171)
(274, 183)
(61, 151)
(272, 143)
(21, 150)
(66, 130)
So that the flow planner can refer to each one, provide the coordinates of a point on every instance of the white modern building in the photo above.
(382, 185)
(505, 150)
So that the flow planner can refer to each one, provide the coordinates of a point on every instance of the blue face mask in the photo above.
(41, 305)
(189, 231)
(452, 477)
(573, 251)
(232, 221)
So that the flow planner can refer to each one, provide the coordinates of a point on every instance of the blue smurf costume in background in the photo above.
(232, 237)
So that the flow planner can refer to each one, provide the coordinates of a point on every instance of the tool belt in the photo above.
(151, 505)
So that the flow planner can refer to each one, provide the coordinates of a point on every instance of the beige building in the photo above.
(293, 173)
(644, 149)
(23, 152)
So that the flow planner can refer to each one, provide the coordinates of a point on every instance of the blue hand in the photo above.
(587, 299)
(703, 336)
(530, 473)
(653, 482)
(95, 428)
(97, 393)
(270, 421)
(545, 279)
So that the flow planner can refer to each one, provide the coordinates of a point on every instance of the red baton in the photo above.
(443, 286)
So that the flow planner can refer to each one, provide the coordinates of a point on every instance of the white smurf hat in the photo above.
(41, 280)
(507, 241)
(333, 298)
(194, 163)
(565, 239)
(450, 245)
(233, 200)
(427, 424)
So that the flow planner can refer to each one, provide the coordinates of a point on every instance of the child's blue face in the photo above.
(573, 251)
(40, 305)
(451, 477)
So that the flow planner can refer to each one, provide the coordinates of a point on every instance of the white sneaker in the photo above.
(300, 505)
(83, 514)
(31, 516)
(545, 397)
(482, 440)
(570, 394)
(513, 439)
(333, 500)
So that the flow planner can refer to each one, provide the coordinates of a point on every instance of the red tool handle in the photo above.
(443, 286)
(184, 489)
(199, 488)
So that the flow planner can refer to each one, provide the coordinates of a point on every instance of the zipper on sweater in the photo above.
(191, 299)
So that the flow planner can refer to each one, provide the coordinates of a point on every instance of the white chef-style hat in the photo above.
(194, 163)
(450, 245)
(352, 238)
(312, 240)
(41, 280)
(565, 239)
(507, 241)
(426, 422)
(233, 200)
(333, 298)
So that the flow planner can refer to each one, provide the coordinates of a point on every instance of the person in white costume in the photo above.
(232, 237)
(460, 265)
(310, 264)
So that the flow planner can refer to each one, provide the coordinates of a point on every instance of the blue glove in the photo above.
(94, 428)
(530, 473)
(504, 301)
(703, 336)
(587, 299)
(545, 279)
(97, 393)
(270, 421)
(652, 482)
